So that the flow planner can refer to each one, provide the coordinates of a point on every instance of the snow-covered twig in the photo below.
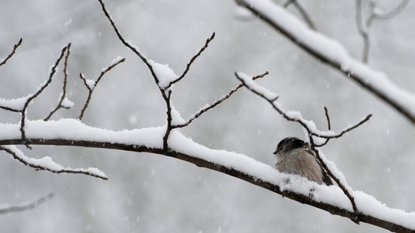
(12, 53)
(363, 26)
(25, 206)
(47, 164)
(90, 84)
(63, 101)
(334, 54)
(308, 126)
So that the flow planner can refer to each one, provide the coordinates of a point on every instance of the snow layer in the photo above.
(164, 73)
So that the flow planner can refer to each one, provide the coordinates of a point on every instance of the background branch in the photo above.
(24, 207)
(373, 82)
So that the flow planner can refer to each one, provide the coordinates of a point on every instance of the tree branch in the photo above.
(63, 95)
(47, 164)
(213, 164)
(90, 84)
(24, 207)
(12, 53)
(336, 56)
(302, 11)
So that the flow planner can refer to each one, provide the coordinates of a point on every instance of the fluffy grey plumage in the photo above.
(295, 156)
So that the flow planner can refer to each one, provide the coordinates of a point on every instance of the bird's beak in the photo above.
(275, 152)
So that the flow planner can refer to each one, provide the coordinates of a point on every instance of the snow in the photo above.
(254, 86)
(16, 104)
(115, 61)
(164, 73)
(176, 117)
(66, 103)
(90, 83)
(334, 51)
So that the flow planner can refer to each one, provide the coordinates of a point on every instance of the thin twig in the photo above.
(24, 207)
(302, 11)
(12, 53)
(91, 89)
(217, 102)
(128, 45)
(36, 94)
(337, 180)
(345, 130)
(191, 61)
(169, 120)
(65, 77)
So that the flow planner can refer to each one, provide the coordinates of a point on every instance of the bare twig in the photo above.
(12, 53)
(24, 207)
(191, 62)
(128, 45)
(91, 86)
(63, 95)
(36, 94)
(169, 120)
(55, 168)
(207, 108)
(302, 11)
(311, 133)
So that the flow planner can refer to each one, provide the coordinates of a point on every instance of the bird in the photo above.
(295, 156)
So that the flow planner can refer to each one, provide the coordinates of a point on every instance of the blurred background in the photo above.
(153, 193)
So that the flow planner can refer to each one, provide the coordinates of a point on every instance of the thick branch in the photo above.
(195, 159)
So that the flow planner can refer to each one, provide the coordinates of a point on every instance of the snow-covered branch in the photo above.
(69, 132)
(333, 54)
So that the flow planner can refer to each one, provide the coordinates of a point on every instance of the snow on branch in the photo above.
(47, 164)
(334, 54)
(91, 84)
(4, 209)
(312, 131)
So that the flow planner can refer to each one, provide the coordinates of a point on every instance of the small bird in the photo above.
(295, 156)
